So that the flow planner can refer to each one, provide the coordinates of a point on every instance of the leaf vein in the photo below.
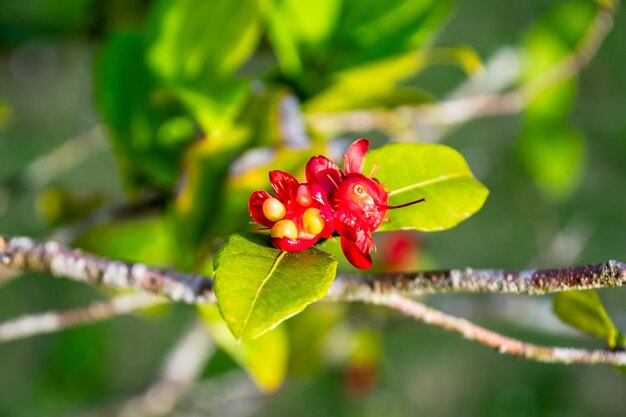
(429, 182)
(279, 258)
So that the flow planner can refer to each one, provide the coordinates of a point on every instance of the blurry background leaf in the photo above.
(138, 240)
(61, 206)
(552, 152)
(196, 55)
(30, 18)
(265, 358)
(584, 311)
(258, 286)
(435, 172)
(554, 156)
(357, 46)
(140, 114)
(308, 334)
(198, 202)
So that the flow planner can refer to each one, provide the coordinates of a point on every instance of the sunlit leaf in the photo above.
(411, 171)
(192, 41)
(258, 286)
(196, 54)
(369, 30)
(265, 358)
(294, 25)
(464, 57)
(584, 311)
(366, 85)
(343, 36)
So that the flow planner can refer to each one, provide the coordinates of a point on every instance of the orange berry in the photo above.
(312, 221)
(303, 196)
(273, 209)
(284, 228)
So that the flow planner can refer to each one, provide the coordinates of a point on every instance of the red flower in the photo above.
(349, 202)
(359, 202)
(297, 216)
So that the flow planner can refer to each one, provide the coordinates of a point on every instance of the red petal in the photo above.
(356, 240)
(348, 225)
(284, 184)
(321, 170)
(255, 207)
(293, 245)
(353, 253)
(354, 159)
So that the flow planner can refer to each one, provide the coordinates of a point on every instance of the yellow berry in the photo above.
(273, 209)
(284, 228)
(303, 196)
(312, 221)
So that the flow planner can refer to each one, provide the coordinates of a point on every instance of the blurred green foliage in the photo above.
(193, 96)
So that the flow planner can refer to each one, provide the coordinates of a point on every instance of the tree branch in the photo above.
(468, 280)
(53, 321)
(24, 254)
(501, 343)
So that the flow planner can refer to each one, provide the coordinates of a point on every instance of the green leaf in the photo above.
(411, 171)
(135, 108)
(369, 30)
(293, 24)
(364, 85)
(265, 358)
(196, 47)
(198, 39)
(584, 311)
(328, 43)
(258, 286)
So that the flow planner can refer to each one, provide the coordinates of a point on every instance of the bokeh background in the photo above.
(179, 108)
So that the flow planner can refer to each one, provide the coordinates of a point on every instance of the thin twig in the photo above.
(461, 110)
(503, 344)
(182, 367)
(54, 321)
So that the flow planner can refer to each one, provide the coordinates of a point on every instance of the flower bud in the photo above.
(303, 196)
(312, 221)
(284, 228)
(273, 209)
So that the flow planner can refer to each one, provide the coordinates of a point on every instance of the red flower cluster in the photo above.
(348, 202)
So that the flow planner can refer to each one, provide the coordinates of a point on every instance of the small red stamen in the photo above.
(374, 170)
(402, 205)
(332, 180)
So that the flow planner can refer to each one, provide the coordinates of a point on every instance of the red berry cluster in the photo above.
(346, 202)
